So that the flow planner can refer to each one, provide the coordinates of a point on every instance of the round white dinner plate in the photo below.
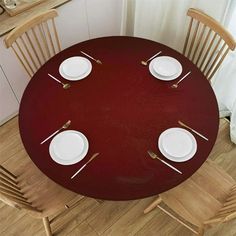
(68, 147)
(177, 144)
(165, 68)
(75, 68)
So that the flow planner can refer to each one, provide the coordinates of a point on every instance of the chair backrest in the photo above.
(35, 41)
(11, 193)
(227, 211)
(207, 42)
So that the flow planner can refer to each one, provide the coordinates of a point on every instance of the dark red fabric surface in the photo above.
(122, 109)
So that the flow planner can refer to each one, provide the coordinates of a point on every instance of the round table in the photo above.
(122, 109)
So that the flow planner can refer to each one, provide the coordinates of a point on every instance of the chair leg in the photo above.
(201, 231)
(47, 227)
(152, 205)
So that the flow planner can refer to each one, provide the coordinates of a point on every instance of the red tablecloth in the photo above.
(122, 109)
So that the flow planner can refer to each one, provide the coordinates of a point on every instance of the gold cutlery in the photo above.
(65, 86)
(194, 131)
(177, 84)
(81, 168)
(146, 62)
(96, 60)
(154, 156)
(65, 126)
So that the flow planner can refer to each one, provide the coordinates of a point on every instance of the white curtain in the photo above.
(165, 21)
(233, 123)
(224, 83)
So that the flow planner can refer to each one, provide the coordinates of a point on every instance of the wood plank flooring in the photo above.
(108, 218)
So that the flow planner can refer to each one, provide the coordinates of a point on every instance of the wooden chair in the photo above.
(35, 41)
(207, 42)
(207, 198)
(33, 192)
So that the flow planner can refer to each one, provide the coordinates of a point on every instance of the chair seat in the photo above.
(200, 197)
(42, 192)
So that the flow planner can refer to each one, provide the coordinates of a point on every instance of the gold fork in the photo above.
(65, 126)
(154, 156)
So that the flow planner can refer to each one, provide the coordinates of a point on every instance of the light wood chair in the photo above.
(35, 41)
(33, 192)
(207, 198)
(207, 42)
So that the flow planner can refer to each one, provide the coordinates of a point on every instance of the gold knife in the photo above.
(82, 167)
(193, 130)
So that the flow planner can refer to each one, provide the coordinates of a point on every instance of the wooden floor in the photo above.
(93, 218)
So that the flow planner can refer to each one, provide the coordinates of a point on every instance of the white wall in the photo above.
(78, 20)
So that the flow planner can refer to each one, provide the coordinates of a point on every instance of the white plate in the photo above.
(75, 68)
(177, 144)
(165, 68)
(68, 147)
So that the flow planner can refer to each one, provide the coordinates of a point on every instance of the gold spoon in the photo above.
(146, 62)
(177, 84)
(65, 126)
(98, 61)
(65, 86)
